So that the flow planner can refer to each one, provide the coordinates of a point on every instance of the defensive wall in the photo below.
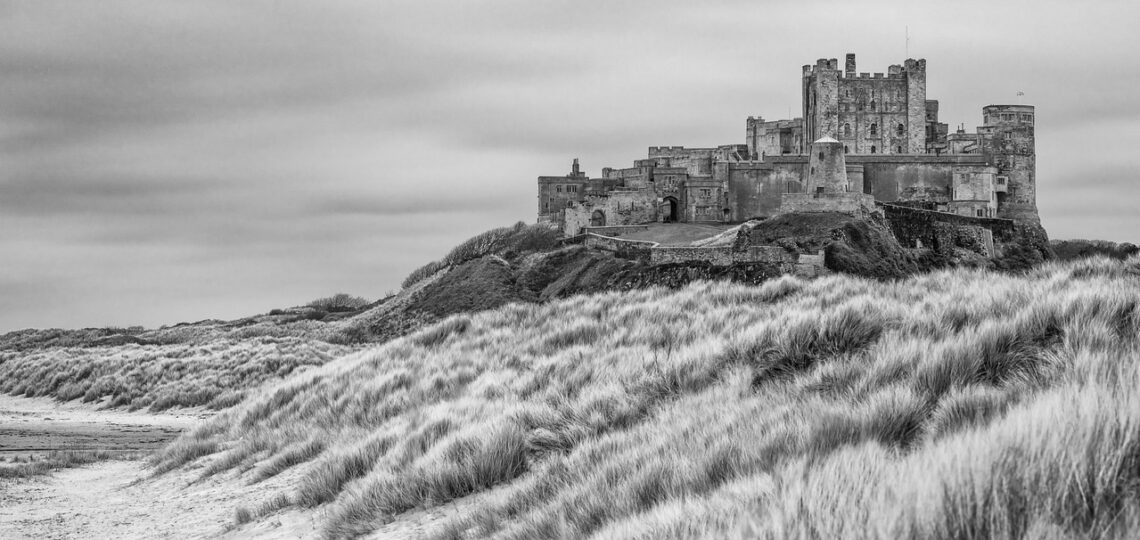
(943, 231)
(843, 202)
(653, 253)
(615, 230)
(755, 189)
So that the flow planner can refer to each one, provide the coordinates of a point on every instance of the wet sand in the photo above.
(36, 426)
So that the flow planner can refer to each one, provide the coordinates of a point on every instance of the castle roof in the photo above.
(826, 139)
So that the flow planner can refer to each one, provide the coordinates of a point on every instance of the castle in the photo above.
(862, 139)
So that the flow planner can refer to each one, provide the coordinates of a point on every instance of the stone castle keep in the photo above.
(862, 139)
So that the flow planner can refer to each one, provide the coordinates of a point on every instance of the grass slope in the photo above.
(158, 377)
(954, 404)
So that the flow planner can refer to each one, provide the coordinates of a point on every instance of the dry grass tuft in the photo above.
(57, 459)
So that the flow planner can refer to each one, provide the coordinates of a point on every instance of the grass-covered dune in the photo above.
(215, 374)
(953, 404)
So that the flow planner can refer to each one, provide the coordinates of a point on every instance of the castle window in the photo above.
(901, 130)
(845, 150)
(706, 192)
(874, 130)
(873, 105)
(846, 130)
(872, 149)
(848, 92)
(898, 149)
(558, 188)
(821, 156)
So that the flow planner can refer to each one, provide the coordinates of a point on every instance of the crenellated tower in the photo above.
(1007, 141)
(868, 113)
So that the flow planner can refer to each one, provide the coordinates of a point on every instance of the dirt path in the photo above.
(117, 499)
(106, 501)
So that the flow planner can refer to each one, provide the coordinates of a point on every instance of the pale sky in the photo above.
(167, 161)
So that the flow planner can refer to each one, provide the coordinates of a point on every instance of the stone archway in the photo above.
(672, 210)
(598, 219)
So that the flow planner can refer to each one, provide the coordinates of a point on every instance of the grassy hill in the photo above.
(960, 403)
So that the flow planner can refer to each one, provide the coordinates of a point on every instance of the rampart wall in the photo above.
(626, 249)
(652, 253)
(842, 202)
(615, 230)
(943, 231)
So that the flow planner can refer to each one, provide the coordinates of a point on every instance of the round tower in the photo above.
(1008, 143)
(827, 171)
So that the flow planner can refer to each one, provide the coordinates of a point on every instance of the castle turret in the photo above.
(826, 188)
(827, 168)
(1008, 143)
(821, 100)
(915, 106)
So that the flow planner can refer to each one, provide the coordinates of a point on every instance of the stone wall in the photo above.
(755, 188)
(615, 230)
(842, 202)
(696, 161)
(811, 265)
(626, 249)
(780, 259)
(942, 232)
(617, 208)
(721, 256)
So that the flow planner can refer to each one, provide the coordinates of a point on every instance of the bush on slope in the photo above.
(955, 404)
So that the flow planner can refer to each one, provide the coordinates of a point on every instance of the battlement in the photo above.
(915, 66)
(821, 65)
(896, 71)
(1003, 115)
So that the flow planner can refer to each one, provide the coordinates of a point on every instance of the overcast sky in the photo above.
(167, 161)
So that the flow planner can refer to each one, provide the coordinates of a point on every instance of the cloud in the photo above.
(184, 160)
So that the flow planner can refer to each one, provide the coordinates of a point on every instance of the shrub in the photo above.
(242, 515)
(339, 302)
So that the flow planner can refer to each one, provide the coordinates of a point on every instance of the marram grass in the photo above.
(957, 404)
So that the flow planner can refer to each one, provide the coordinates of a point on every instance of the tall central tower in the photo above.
(867, 113)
